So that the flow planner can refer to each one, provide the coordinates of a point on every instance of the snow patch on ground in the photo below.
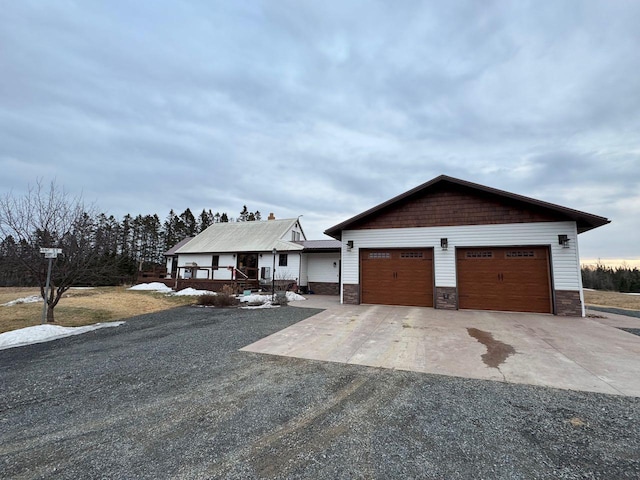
(46, 333)
(18, 301)
(152, 287)
(264, 305)
(255, 298)
(162, 288)
(294, 297)
(192, 292)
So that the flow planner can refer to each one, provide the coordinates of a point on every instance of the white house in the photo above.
(171, 257)
(453, 244)
(256, 253)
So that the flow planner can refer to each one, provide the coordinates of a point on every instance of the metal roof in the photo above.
(585, 221)
(316, 245)
(172, 250)
(258, 236)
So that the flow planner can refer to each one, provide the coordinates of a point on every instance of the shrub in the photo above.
(226, 298)
(229, 290)
(207, 300)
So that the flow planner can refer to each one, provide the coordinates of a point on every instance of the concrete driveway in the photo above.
(587, 354)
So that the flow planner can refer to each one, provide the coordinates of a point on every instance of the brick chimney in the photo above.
(271, 216)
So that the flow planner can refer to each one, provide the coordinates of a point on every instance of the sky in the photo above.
(324, 109)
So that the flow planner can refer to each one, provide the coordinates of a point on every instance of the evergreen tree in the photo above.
(205, 220)
(189, 224)
(171, 231)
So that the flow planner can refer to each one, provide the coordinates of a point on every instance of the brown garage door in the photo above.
(397, 277)
(511, 279)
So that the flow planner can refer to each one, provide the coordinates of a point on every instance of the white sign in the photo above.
(53, 251)
(50, 255)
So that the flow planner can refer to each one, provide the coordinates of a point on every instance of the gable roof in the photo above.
(181, 243)
(585, 221)
(258, 236)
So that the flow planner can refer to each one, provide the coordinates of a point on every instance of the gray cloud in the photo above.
(324, 108)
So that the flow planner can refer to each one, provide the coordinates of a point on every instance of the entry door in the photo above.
(509, 279)
(397, 277)
(248, 264)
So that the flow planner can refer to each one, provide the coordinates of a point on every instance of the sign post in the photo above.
(49, 253)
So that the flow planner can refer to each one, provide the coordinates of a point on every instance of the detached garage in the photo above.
(454, 244)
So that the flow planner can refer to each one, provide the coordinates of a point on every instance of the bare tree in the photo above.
(50, 217)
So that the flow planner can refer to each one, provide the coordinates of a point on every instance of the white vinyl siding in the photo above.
(204, 260)
(565, 263)
(294, 234)
(265, 260)
(290, 272)
(321, 267)
(224, 260)
(304, 269)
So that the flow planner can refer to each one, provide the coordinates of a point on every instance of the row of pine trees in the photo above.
(120, 248)
(618, 279)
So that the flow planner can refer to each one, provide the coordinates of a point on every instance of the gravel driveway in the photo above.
(168, 395)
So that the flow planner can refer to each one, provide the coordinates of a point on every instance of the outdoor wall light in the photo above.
(349, 244)
(444, 243)
(563, 240)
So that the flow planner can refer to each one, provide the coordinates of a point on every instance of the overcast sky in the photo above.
(324, 108)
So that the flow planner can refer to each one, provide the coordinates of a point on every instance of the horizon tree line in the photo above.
(617, 279)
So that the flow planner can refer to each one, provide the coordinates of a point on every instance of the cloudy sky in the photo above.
(324, 109)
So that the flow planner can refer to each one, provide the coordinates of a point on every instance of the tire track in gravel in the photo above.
(320, 419)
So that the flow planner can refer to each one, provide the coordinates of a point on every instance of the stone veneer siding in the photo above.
(324, 288)
(351, 294)
(446, 298)
(568, 303)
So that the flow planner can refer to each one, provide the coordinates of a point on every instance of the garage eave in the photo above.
(585, 221)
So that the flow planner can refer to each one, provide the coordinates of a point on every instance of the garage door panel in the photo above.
(511, 279)
(397, 277)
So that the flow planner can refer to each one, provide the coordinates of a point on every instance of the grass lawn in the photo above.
(105, 304)
(84, 307)
(612, 299)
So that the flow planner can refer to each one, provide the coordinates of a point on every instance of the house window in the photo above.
(215, 259)
(282, 261)
(378, 255)
(295, 236)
